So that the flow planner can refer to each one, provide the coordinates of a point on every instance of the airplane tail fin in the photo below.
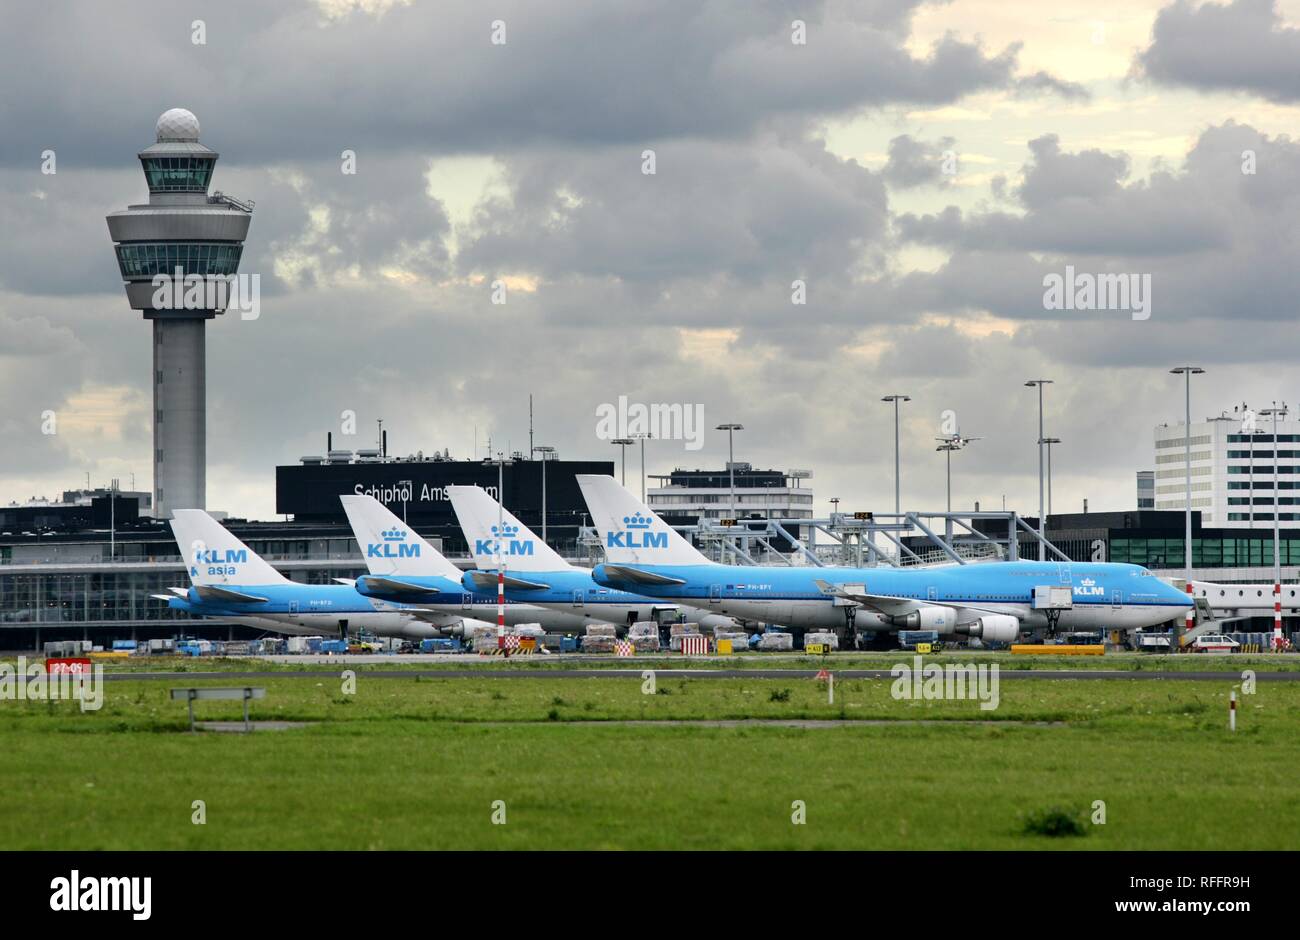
(489, 528)
(389, 545)
(630, 532)
(214, 556)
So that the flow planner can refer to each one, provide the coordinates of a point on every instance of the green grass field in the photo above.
(418, 763)
(1142, 662)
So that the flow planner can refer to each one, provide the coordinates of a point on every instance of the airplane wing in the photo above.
(436, 616)
(392, 586)
(638, 576)
(891, 606)
(179, 591)
(210, 592)
(350, 582)
(486, 580)
(162, 597)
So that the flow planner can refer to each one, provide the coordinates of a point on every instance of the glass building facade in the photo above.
(178, 174)
(1233, 552)
(144, 260)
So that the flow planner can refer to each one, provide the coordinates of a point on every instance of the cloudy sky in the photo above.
(919, 167)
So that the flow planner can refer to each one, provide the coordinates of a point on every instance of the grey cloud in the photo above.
(1237, 46)
(915, 162)
(1204, 219)
(771, 208)
(276, 82)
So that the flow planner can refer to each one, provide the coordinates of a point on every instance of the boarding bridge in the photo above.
(1220, 605)
(858, 540)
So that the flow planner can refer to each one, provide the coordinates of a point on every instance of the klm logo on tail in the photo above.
(503, 541)
(217, 561)
(393, 545)
(637, 534)
(213, 556)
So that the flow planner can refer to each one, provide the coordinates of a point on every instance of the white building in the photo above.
(1232, 469)
(760, 494)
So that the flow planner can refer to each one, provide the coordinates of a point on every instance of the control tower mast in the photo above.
(182, 230)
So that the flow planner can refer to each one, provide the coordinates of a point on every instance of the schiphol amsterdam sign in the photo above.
(391, 494)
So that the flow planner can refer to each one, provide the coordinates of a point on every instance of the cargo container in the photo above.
(440, 645)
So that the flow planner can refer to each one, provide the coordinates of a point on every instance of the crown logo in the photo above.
(393, 535)
(636, 521)
(505, 531)
(1087, 582)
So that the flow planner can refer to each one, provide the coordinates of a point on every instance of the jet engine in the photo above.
(996, 628)
(939, 619)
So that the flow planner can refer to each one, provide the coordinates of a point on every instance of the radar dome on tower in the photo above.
(178, 124)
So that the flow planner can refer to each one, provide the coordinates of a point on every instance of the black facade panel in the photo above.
(310, 493)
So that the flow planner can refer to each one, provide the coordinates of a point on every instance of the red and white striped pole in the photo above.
(1191, 610)
(501, 603)
(1277, 616)
(1232, 710)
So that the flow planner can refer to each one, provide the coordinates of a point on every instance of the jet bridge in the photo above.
(860, 539)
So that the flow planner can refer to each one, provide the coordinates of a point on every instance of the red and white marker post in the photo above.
(1277, 617)
(501, 606)
(1232, 710)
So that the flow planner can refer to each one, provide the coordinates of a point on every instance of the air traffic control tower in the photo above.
(184, 228)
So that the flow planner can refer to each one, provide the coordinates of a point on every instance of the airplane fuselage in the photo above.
(1104, 596)
(575, 592)
(450, 597)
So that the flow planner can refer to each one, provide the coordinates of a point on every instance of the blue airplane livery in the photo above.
(993, 601)
(230, 581)
(537, 574)
(406, 569)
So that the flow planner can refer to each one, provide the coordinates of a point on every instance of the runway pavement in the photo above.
(532, 673)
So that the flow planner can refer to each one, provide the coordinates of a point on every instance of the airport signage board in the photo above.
(75, 667)
(417, 489)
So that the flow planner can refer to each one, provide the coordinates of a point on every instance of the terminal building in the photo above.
(69, 571)
(414, 488)
(1233, 465)
(708, 494)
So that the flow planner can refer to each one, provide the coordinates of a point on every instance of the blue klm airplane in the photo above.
(992, 601)
(536, 574)
(406, 569)
(230, 581)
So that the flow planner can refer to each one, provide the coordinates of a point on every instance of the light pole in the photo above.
(1049, 441)
(731, 429)
(406, 489)
(1187, 372)
(1042, 545)
(898, 502)
(623, 442)
(501, 462)
(949, 444)
(547, 453)
(643, 437)
(1275, 411)
(112, 520)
